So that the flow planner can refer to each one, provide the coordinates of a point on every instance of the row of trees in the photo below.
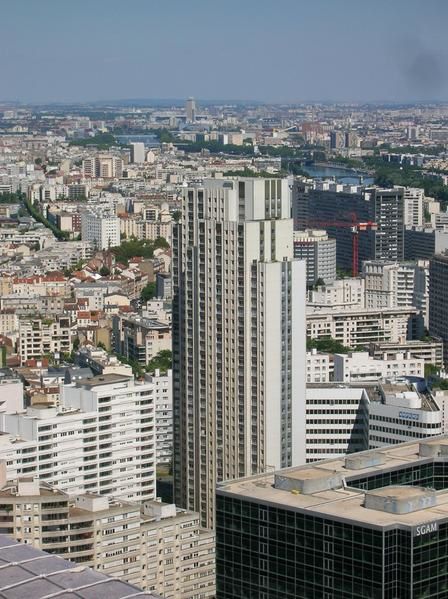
(37, 215)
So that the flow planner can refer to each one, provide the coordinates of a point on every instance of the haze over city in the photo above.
(286, 51)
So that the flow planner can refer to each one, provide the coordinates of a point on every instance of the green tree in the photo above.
(148, 292)
(104, 271)
(162, 361)
(431, 370)
(130, 248)
(137, 369)
(161, 243)
(327, 344)
(102, 141)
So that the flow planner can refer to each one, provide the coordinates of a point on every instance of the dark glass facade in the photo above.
(270, 552)
(433, 474)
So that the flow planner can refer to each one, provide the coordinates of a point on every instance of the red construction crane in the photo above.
(355, 228)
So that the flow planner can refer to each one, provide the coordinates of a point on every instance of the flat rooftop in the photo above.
(320, 489)
(103, 379)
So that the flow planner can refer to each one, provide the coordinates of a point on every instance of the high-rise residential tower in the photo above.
(438, 305)
(190, 110)
(238, 337)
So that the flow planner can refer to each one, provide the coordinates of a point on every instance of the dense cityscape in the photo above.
(194, 294)
(224, 322)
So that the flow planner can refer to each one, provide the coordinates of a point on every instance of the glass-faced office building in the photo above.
(372, 525)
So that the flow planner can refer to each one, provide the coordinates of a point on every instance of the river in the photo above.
(340, 174)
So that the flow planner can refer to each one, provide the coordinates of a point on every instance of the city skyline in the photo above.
(298, 52)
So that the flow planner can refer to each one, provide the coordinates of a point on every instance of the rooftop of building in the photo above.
(405, 344)
(328, 488)
(103, 379)
(29, 572)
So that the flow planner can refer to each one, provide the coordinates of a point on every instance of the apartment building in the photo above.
(101, 439)
(424, 242)
(140, 338)
(319, 367)
(319, 251)
(356, 367)
(413, 206)
(100, 228)
(342, 292)
(355, 327)
(103, 166)
(397, 285)
(238, 337)
(40, 337)
(430, 351)
(438, 304)
(152, 545)
(163, 398)
(336, 207)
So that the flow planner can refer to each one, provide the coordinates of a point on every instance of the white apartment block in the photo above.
(137, 152)
(11, 394)
(38, 338)
(336, 421)
(413, 206)
(358, 327)
(100, 228)
(319, 251)
(358, 367)
(163, 398)
(397, 285)
(402, 412)
(342, 292)
(152, 545)
(101, 439)
(319, 367)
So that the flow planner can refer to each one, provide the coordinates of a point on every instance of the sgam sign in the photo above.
(424, 529)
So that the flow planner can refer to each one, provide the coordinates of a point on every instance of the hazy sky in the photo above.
(272, 50)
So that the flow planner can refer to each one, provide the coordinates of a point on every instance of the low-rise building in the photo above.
(337, 420)
(319, 367)
(355, 327)
(401, 411)
(356, 367)
(430, 351)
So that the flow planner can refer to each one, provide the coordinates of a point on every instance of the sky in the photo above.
(266, 50)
